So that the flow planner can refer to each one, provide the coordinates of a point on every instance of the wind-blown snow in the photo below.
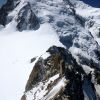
(16, 49)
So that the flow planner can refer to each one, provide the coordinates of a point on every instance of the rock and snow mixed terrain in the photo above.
(28, 29)
(16, 50)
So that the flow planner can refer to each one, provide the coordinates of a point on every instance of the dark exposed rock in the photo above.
(89, 88)
(36, 75)
(99, 33)
(98, 54)
(67, 40)
(57, 63)
(27, 20)
(23, 97)
(80, 19)
(5, 9)
(33, 59)
(62, 62)
(90, 24)
(97, 76)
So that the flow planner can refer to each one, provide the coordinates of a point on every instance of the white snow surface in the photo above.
(16, 49)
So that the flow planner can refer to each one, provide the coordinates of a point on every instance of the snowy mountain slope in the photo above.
(93, 23)
(16, 50)
(91, 15)
(69, 25)
(75, 23)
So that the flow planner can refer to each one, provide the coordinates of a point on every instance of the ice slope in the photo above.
(16, 50)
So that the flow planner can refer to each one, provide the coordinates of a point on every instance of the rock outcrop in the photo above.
(26, 19)
(62, 63)
(5, 9)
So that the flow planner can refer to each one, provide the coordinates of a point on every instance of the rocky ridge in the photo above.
(59, 77)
